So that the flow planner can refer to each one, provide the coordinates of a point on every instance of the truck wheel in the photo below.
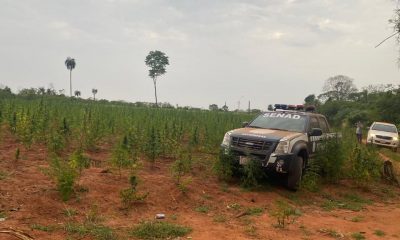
(295, 173)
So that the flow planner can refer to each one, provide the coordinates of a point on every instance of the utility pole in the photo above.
(239, 103)
(249, 110)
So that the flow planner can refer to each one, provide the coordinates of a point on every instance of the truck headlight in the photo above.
(282, 148)
(227, 139)
(395, 138)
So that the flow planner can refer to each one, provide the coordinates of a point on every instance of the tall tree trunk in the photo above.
(94, 97)
(70, 83)
(155, 90)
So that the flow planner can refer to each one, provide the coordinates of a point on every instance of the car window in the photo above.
(384, 128)
(280, 121)
(323, 125)
(314, 123)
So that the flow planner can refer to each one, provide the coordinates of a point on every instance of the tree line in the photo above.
(344, 104)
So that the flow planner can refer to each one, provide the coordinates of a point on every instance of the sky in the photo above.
(233, 51)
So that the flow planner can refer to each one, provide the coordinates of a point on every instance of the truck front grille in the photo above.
(251, 143)
(384, 137)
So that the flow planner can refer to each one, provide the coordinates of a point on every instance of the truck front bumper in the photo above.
(271, 162)
(383, 142)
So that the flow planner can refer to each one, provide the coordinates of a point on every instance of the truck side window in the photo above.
(323, 125)
(314, 123)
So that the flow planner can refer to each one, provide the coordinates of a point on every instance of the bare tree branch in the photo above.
(387, 39)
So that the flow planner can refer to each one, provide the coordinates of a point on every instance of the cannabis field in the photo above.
(82, 169)
(61, 123)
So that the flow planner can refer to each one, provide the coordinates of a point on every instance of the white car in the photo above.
(383, 134)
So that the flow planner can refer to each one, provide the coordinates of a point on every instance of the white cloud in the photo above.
(229, 48)
(263, 34)
(142, 34)
(65, 30)
(277, 35)
(327, 24)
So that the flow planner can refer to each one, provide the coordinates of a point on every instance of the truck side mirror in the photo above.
(244, 124)
(316, 132)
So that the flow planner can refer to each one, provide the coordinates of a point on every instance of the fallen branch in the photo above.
(242, 214)
(16, 233)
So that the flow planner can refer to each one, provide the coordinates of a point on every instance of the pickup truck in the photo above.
(283, 142)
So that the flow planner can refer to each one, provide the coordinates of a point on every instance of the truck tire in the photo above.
(295, 173)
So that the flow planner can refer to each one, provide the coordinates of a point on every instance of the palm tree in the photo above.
(77, 93)
(70, 63)
(94, 91)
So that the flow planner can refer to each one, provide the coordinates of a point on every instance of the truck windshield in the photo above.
(384, 128)
(280, 121)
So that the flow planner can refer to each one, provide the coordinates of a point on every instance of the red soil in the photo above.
(28, 196)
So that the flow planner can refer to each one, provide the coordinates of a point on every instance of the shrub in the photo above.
(348, 201)
(255, 211)
(91, 129)
(129, 196)
(225, 165)
(379, 233)
(101, 232)
(98, 231)
(180, 168)
(283, 213)
(78, 161)
(43, 228)
(253, 173)
(342, 157)
(194, 137)
(311, 178)
(121, 157)
(357, 236)
(133, 141)
(330, 159)
(24, 128)
(153, 146)
(202, 209)
(55, 140)
(64, 176)
(92, 216)
(159, 230)
(364, 164)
